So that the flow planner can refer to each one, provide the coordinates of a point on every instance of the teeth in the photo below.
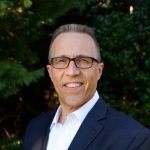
(72, 85)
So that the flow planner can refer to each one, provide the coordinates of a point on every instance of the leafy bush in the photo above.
(125, 51)
(12, 143)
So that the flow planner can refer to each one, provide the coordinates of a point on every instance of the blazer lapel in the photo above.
(47, 130)
(90, 127)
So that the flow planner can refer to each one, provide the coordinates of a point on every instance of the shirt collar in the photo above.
(56, 117)
(81, 113)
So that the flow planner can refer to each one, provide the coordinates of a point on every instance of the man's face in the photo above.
(73, 85)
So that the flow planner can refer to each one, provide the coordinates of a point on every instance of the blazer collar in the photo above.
(88, 130)
(90, 127)
(47, 130)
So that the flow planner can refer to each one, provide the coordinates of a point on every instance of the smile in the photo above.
(73, 85)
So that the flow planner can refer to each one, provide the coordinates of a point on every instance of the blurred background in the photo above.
(123, 31)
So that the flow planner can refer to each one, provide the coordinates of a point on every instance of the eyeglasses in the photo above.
(80, 62)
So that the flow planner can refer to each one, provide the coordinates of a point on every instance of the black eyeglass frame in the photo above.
(74, 60)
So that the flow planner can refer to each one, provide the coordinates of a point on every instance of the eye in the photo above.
(84, 60)
(59, 60)
(62, 59)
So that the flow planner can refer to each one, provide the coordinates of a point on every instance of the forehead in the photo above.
(73, 44)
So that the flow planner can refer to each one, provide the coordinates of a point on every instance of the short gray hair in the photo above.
(75, 28)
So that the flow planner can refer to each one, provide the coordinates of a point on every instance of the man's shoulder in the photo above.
(118, 119)
(124, 121)
(42, 119)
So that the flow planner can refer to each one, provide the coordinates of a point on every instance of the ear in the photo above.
(100, 70)
(49, 70)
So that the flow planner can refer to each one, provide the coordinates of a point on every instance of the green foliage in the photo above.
(20, 30)
(21, 22)
(25, 32)
(13, 143)
(124, 40)
(27, 3)
(13, 76)
(24, 38)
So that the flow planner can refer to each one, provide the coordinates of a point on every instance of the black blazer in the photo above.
(103, 129)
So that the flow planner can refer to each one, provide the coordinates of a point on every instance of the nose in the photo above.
(72, 70)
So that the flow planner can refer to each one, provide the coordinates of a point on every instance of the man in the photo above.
(82, 121)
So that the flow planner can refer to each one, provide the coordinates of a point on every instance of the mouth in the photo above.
(73, 84)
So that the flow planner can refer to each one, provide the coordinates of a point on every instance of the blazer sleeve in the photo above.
(27, 138)
(37, 132)
(141, 141)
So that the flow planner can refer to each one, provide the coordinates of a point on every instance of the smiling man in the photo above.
(74, 63)
(82, 121)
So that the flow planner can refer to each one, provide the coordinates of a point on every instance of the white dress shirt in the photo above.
(61, 135)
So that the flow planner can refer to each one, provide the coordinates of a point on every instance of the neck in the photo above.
(64, 113)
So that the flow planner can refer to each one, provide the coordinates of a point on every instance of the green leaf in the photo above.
(27, 3)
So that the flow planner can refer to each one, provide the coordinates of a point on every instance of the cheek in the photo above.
(56, 78)
(56, 83)
(92, 78)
